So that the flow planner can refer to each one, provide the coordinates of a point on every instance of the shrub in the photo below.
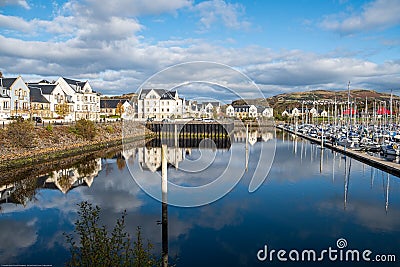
(49, 128)
(97, 247)
(21, 133)
(85, 128)
(109, 129)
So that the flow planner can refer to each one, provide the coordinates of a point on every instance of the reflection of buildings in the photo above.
(67, 179)
(254, 136)
(150, 157)
(20, 192)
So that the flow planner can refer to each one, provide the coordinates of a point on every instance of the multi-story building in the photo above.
(5, 103)
(18, 92)
(86, 101)
(40, 106)
(249, 111)
(242, 111)
(210, 109)
(60, 104)
(119, 107)
(160, 104)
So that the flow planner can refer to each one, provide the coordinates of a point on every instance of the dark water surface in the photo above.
(309, 200)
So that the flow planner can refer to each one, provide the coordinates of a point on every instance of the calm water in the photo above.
(309, 200)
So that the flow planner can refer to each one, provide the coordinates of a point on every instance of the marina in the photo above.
(391, 166)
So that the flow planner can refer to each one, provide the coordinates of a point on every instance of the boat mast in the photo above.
(391, 108)
(348, 108)
(366, 111)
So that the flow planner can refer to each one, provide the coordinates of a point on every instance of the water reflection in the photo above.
(302, 204)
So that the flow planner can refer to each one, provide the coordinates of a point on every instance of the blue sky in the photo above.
(281, 45)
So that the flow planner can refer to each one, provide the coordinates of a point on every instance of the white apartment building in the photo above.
(15, 97)
(86, 102)
(5, 103)
(160, 104)
(55, 95)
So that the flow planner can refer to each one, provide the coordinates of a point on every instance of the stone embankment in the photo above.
(59, 142)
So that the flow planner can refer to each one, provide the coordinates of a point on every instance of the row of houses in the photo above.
(163, 104)
(73, 100)
(67, 98)
(296, 112)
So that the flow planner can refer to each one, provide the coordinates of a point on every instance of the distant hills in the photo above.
(322, 97)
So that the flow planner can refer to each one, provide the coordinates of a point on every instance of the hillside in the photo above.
(322, 97)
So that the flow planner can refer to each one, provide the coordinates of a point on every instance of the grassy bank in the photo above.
(48, 144)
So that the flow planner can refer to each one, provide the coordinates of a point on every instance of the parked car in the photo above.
(37, 119)
(15, 117)
(150, 119)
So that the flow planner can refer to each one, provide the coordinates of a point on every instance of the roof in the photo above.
(36, 95)
(144, 92)
(111, 103)
(260, 109)
(74, 83)
(241, 106)
(7, 82)
(213, 103)
(168, 95)
(47, 89)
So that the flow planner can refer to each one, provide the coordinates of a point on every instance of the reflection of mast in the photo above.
(164, 190)
(346, 182)
(247, 147)
(321, 160)
(301, 153)
(372, 176)
(387, 193)
(333, 167)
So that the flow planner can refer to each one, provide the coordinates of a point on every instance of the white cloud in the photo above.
(108, 50)
(379, 14)
(22, 3)
(231, 15)
(125, 8)
(15, 23)
(20, 235)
